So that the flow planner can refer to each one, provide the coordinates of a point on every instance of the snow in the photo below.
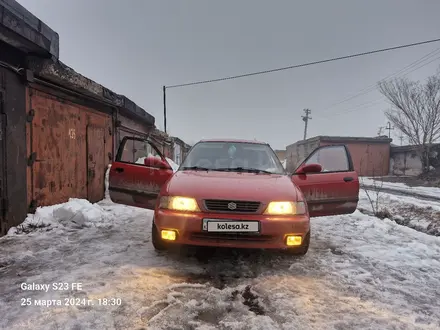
(418, 214)
(173, 165)
(141, 160)
(284, 163)
(360, 273)
(77, 213)
(428, 191)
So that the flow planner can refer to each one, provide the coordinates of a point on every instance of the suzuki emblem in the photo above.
(232, 206)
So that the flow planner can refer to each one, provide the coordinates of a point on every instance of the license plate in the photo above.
(231, 226)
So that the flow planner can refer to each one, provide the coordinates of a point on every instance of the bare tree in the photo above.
(374, 190)
(415, 111)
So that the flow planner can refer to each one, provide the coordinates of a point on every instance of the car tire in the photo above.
(302, 250)
(158, 243)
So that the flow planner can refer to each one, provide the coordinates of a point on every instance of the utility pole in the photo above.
(306, 120)
(389, 128)
(164, 109)
(379, 132)
(401, 137)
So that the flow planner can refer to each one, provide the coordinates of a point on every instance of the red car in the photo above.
(233, 193)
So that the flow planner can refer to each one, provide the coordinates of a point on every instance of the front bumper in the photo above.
(272, 235)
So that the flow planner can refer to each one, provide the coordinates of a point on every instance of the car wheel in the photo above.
(158, 243)
(302, 250)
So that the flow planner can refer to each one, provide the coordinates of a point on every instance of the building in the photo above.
(370, 155)
(59, 130)
(163, 141)
(281, 154)
(405, 160)
(180, 150)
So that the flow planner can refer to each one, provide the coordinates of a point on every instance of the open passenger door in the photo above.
(138, 173)
(328, 181)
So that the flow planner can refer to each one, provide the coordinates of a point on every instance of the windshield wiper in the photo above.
(243, 169)
(196, 168)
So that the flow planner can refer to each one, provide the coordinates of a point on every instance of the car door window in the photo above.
(332, 159)
(136, 151)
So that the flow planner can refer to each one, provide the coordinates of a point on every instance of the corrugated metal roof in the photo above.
(233, 140)
(344, 139)
(397, 149)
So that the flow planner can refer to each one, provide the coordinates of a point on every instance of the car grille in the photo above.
(231, 206)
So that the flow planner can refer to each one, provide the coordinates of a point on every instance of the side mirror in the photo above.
(309, 168)
(157, 163)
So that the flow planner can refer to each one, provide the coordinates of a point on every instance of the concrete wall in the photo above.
(23, 30)
(297, 152)
(406, 161)
(281, 154)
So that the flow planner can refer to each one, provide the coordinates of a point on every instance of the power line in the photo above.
(395, 75)
(372, 87)
(361, 106)
(421, 66)
(371, 103)
(306, 64)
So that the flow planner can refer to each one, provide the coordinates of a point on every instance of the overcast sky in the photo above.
(135, 47)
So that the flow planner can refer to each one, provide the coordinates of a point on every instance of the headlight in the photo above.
(179, 203)
(285, 208)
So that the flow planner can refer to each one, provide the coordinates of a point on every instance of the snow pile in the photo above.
(428, 191)
(75, 214)
(284, 163)
(141, 160)
(80, 213)
(107, 182)
(174, 166)
(423, 216)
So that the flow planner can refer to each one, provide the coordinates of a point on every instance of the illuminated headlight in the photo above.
(285, 208)
(179, 203)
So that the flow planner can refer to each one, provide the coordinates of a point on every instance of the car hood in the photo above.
(231, 185)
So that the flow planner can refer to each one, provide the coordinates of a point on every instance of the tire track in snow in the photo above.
(225, 278)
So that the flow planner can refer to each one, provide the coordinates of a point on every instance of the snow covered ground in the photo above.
(418, 214)
(360, 273)
(429, 191)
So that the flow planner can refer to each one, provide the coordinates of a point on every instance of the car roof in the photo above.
(233, 140)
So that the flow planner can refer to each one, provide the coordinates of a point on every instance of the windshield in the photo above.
(233, 156)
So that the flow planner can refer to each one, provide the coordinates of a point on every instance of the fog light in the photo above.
(293, 240)
(169, 235)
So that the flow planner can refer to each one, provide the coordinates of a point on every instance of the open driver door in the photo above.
(138, 173)
(328, 181)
